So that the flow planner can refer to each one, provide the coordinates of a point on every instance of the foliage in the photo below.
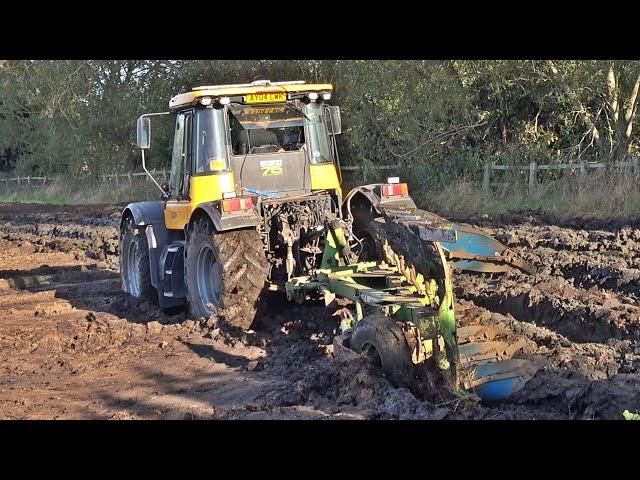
(438, 119)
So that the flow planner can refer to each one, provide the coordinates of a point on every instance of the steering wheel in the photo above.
(265, 149)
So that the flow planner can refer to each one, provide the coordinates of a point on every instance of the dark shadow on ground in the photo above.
(90, 288)
(204, 350)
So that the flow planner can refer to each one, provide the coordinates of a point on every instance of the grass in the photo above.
(606, 196)
(70, 191)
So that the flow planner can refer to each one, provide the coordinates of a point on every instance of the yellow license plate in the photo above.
(265, 97)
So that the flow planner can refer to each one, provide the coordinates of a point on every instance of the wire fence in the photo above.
(164, 174)
(529, 173)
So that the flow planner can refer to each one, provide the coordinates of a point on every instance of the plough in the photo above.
(405, 319)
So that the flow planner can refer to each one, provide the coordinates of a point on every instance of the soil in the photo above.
(73, 345)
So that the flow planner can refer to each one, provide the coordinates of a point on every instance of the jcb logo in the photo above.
(271, 171)
(271, 168)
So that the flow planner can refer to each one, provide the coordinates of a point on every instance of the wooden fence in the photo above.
(163, 174)
(115, 177)
(533, 168)
(532, 172)
(26, 180)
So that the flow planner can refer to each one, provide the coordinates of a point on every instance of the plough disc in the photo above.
(497, 380)
(474, 251)
(488, 369)
(467, 248)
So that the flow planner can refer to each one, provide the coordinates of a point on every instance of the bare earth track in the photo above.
(72, 345)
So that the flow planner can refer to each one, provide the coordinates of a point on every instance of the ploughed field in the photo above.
(72, 345)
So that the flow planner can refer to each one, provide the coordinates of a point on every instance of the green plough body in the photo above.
(413, 285)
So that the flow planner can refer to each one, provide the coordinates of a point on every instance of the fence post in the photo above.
(583, 171)
(130, 178)
(532, 177)
(636, 166)
(486, 177)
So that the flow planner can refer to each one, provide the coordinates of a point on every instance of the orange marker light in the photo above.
(237, 204)
(394, 190)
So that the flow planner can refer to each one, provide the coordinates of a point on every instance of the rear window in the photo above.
(265, 129)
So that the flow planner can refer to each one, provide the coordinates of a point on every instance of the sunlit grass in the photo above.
(68, 191)
(603, 196)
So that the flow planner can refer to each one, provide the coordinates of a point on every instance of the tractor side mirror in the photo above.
(144, 133)
(335, 122)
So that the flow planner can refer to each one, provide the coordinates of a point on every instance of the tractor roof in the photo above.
(258, 87)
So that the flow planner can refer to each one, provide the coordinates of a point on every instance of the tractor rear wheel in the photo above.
(383, 342)
(134, 264)
(225, 273)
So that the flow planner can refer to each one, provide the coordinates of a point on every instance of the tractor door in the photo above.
(177, 208)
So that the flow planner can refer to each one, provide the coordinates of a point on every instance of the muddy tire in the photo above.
(381, 340)
(134, 264)
(225, 271)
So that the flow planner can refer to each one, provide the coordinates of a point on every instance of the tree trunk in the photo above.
(581, 109)
(629, 116)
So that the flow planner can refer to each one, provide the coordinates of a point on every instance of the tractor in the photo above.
(254, 205)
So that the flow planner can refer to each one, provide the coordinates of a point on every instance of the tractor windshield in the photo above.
(265, 129)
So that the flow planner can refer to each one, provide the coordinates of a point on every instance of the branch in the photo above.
(450, 133)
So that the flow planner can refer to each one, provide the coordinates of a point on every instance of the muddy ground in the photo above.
(72, 345)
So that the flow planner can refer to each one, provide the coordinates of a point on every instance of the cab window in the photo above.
(181, 156)
(211, 146)
(265, 129)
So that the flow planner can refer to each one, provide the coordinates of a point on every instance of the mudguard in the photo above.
(225, 221)
(150, 216)
(145, 213)
(368, 194)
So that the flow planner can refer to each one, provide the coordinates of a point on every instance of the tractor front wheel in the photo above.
(226, 273)
(134, 264)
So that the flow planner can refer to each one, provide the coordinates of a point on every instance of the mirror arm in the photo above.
(144, 163)
(144, 167)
